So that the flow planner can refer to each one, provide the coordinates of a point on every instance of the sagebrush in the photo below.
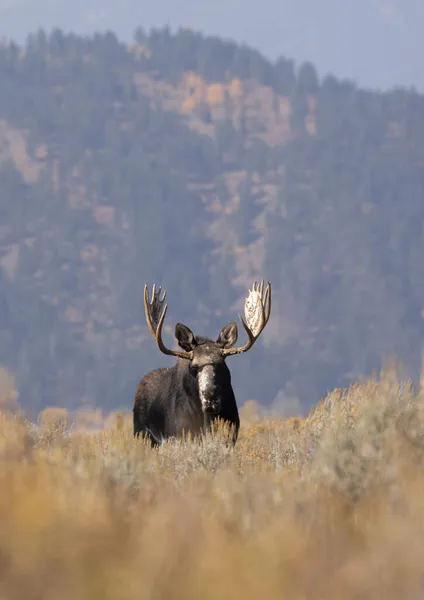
(324, 507)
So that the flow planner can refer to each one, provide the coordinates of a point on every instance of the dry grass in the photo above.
(330, 507)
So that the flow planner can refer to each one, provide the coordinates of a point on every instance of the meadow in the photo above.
(330, 506)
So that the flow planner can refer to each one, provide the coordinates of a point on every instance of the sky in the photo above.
(376, 43)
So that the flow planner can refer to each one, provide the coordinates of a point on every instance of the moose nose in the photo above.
(210, 394)
(211, 404)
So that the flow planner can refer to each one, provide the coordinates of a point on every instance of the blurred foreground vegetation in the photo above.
(330, 506)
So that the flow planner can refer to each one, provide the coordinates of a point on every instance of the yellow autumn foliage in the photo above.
(215, 94)
(196, 91)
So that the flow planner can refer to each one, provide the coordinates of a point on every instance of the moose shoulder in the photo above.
(197, 390)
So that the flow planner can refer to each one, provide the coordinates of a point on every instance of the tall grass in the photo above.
(328, 507)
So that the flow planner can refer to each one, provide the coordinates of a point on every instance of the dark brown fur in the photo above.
(167, 401)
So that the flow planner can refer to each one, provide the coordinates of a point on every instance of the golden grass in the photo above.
(329, 507)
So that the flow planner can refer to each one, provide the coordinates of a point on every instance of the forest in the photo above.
(199, 165)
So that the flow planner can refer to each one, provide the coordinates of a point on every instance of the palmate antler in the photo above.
(155, 316)
(257, 310)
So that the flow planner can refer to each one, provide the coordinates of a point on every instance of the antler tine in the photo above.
(147, 312)
(158, 294)
(262, 305)
(155, 315)
(155, 306)
(267, 302)
(260, 287)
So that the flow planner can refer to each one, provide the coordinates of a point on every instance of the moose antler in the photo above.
(155, 316)
(257, 309)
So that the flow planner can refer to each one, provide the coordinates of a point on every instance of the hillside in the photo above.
(201, 166)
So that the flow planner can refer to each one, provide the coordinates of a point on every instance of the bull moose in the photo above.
(197, 390)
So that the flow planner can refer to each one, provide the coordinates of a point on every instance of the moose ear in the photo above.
(185, 337)
(228, 335)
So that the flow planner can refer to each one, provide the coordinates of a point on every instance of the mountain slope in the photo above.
(200, 166)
